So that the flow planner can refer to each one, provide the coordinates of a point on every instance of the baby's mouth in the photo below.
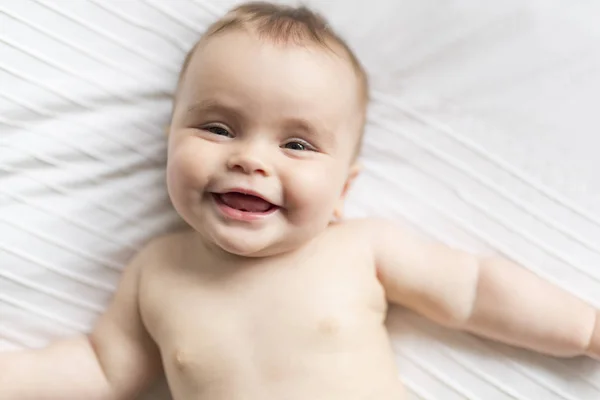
(244, 202)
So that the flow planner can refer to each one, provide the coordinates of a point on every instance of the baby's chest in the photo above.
(212, 319)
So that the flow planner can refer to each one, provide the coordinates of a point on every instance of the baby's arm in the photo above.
(115, 361)
(492, 297)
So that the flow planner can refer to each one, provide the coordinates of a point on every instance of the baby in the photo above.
(270, 294)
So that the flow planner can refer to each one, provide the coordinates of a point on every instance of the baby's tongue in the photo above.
(245, 202)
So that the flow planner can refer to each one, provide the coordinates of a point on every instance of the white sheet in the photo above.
(483, 132)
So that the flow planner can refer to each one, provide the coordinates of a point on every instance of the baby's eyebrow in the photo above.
(207, 105)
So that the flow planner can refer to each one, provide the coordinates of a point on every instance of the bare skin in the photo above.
(305, 325)
(264, 298)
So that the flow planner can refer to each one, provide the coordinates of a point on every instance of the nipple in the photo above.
(329, 326)
(180, 359)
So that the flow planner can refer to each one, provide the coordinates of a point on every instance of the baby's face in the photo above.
(262, 141)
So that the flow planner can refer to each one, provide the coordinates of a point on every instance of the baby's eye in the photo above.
(218, 130)
(297, 145)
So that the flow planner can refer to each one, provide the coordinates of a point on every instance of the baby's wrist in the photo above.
(594, 347)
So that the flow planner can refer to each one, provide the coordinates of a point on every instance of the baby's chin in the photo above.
(255, 244)
(246, 245)
(245, 248)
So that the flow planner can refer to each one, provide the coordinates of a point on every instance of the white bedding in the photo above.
(483, 132)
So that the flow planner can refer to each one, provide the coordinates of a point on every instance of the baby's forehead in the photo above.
(327, 50)
(239, 59)
(328, 47)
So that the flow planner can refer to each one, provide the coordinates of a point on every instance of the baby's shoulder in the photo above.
(165, 249)
(378, 234)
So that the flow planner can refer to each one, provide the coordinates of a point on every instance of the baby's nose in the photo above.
(248, 163)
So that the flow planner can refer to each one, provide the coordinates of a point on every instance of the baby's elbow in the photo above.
(455, 317)
(459, 306)
(450, 310)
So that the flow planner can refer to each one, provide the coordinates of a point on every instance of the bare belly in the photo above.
(344, 372)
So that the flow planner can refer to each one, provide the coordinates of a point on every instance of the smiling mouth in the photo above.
(244, 203)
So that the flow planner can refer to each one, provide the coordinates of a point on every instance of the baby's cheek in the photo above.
(179, 171)
(186, 173)
(313, 192)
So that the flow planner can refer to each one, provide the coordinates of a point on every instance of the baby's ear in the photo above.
(353, 173)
